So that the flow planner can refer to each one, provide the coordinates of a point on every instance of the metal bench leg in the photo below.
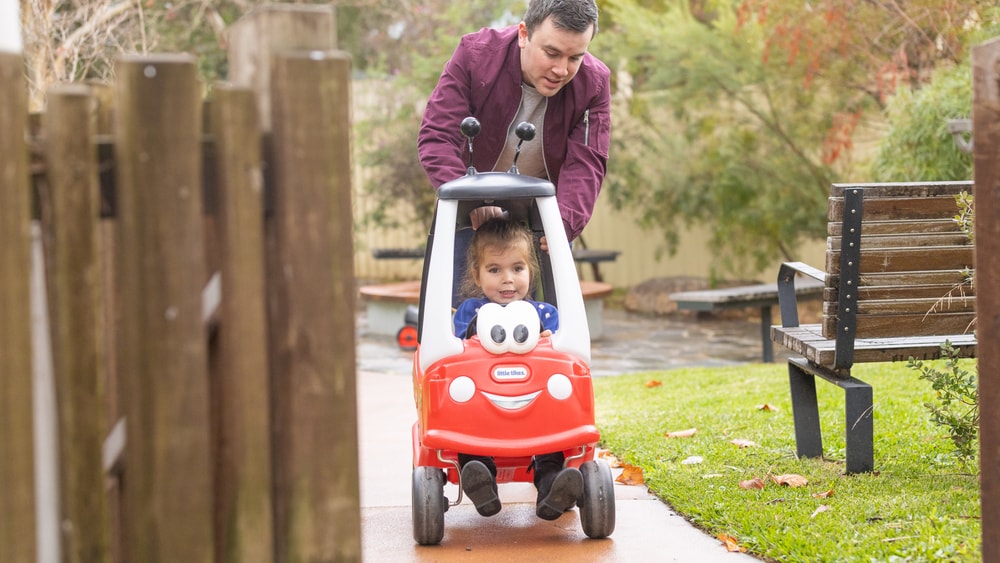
(860, 435)
(805, 412)
(767, 349)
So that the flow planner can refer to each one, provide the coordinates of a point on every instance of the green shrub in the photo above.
(957, 406)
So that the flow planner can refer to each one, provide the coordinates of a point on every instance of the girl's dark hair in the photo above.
(572, 15)
(502, 234)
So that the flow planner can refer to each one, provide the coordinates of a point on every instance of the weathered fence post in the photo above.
(161, 338)
(313, 355)
(70, 217)
(240, 401)
(269, 29)
(310, 275)
(986, 154)
(107, 248)
(17, 481)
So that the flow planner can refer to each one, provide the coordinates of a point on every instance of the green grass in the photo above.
(920, 504)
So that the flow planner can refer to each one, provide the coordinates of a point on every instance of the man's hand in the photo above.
(480, 215)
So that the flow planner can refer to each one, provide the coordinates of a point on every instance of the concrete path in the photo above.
(646, 528)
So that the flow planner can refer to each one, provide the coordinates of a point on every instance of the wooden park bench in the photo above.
(763, 296)
(897, 266)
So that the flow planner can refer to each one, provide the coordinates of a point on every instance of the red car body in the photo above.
(512, 415)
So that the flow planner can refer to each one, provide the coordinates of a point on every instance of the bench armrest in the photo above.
(787, 302)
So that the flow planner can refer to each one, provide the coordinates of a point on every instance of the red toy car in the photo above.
(509, 400)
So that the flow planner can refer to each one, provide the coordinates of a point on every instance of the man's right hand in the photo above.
(480, 215)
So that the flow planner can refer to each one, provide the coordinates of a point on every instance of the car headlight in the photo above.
(559, 386)
(462, 389)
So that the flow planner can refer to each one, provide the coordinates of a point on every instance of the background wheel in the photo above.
(407, 337)
(597, 507)
(429, 505)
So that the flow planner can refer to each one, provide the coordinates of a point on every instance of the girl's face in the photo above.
(504, 274)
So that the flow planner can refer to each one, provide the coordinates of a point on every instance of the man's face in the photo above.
(552, 56)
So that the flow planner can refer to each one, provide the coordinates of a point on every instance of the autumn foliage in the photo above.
(887, 46)
(739, 116)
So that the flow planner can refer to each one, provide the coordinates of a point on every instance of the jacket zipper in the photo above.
(586, 127)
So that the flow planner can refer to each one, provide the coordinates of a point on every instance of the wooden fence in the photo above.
(201, 299)
(986, 165)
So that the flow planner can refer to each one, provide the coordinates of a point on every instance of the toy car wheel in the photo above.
(597, 507)
(429, 505)
(407, 337)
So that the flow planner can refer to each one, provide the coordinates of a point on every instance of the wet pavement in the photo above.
(647, 529)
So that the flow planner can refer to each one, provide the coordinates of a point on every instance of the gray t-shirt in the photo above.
(532, 160)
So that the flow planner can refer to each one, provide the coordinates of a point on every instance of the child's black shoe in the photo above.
(478, 482)
(559, 493)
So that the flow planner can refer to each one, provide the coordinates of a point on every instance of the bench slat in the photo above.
(895, 209)
(925, 226)
(887, 326)
(925, 307)
(907, 259)
(906, 189)
(906, 279)
(808, 341)
(907, 240)
(916, 291)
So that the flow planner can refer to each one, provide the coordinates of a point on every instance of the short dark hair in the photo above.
(572, 15)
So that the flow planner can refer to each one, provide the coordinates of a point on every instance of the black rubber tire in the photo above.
(597, 507)
(429, 505)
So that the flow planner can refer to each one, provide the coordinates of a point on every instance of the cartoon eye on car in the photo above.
(510, 390)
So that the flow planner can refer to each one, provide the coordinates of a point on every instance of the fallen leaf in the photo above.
(791, 480)
(730, 543)
(631, 475)
(693, 460)
(767, 407)
(609, 457)
(755, 483)
(820, 508)
(742, 443)
(653, 383)
(681, 433)
(824, 495)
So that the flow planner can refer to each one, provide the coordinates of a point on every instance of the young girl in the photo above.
(501, 268)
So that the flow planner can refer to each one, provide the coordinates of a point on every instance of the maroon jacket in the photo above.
(483, 79)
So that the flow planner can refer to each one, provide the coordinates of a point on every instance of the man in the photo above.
(538, 71)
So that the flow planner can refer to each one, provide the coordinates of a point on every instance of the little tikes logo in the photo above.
(510, 373)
